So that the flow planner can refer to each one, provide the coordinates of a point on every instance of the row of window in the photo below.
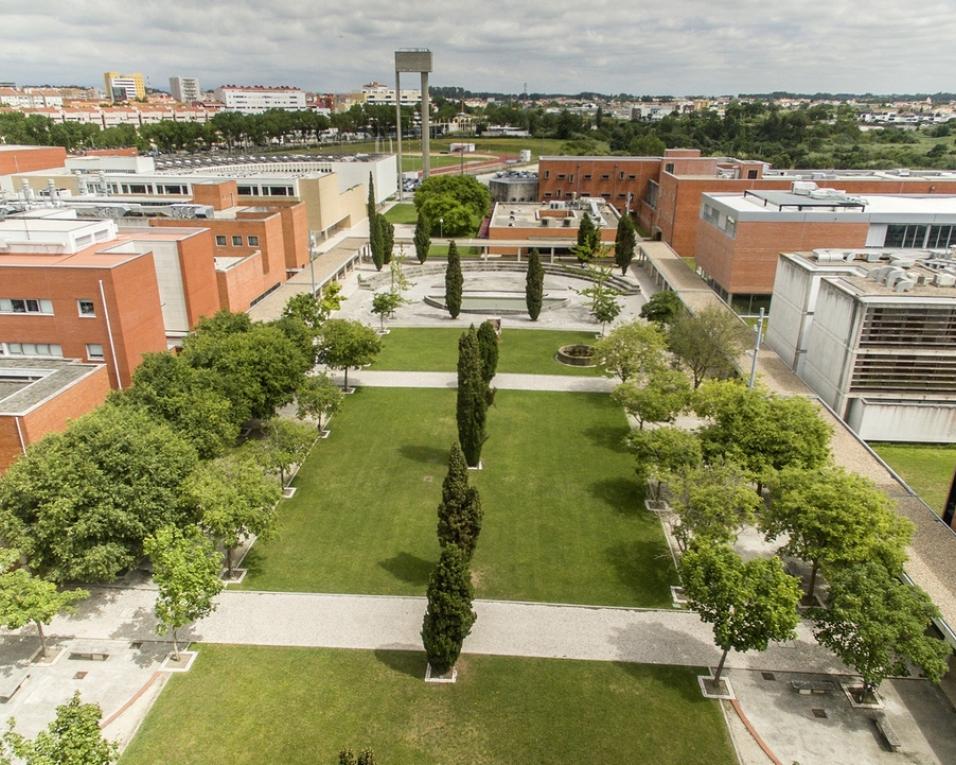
(265, 191)
(94, 351)
(558, 193)
(588, 176)
(42, 307)
(253, 241)
(180, 189)
(914, 235)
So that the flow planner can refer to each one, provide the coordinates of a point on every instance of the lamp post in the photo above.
(441, 228)
(757, 340)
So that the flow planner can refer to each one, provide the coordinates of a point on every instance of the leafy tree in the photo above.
(835, 518)
(708, 342)
(186, 573)
(365, 757)
(306, 308)
(454, 281)
(27, 599)
(878, 625)
(423, 239)
(662, 308)
(631, 350)
(79, 504)
(74, 737)
(605, 308)
(285, 444)
(472, 401)
(713, 502)
(449, 617)
(232, 499)
(662, 452)
(459, 513)
(343, 344)
(664, 395)
(589, 240)
(749, 604)
(488, 351)
(448, 217)
(385, 304)
(464, 190)
(624, 242)
(318, 397)
(330, 300)
(170, 390)
(534, 285)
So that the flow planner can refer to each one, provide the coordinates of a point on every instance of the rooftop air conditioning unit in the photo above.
(944, 280)
(803, 187)
(874, 256)
(904, 285)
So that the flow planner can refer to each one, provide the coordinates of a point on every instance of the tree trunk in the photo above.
(175, 646)
(42, 638)
(813, 580)
(282, 477)
(720, 666)
(229, 562)
(346, 388)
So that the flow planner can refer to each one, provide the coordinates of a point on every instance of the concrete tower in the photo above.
(413, 60)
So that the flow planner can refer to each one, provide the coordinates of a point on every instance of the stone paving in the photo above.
(503, 381)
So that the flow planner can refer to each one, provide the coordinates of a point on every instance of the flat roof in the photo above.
(532, 214)
(788, 199)
(25, 383)
(913, 208)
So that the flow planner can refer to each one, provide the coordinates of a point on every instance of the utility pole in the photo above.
(757, 341)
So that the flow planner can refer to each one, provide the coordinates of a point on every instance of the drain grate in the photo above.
(819, 713)
(768, 675)
(137, 644)
(79, 675)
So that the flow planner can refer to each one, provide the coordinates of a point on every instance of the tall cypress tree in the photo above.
(624, 242)
(370, 205)
(472, 403)
(423, 238)
(376, 242)
(488, 351)
(454, 281)
(449, 617)
(459, 514)
(534, 285)
(388, 238)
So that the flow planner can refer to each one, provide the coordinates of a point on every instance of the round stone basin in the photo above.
(576, 355)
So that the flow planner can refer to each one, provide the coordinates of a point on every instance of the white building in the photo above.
(35, 98)
(185, 89)
(255, 99)
(873, 332)
(377, 94)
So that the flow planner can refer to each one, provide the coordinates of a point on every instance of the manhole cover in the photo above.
(820, 713)
(768, 676)
(79, 675)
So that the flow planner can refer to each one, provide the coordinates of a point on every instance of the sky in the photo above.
(610, 46)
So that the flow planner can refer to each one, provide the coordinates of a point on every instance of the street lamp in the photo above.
(441, 228)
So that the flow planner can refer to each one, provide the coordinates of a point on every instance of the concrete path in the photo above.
(504, 628)
(567, 383)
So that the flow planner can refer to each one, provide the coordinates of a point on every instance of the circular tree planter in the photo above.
(580, 355)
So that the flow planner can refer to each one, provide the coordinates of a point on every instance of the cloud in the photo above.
(685, 46)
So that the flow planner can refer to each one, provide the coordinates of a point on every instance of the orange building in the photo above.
(23, 159)
(41, 396)
(552, 221)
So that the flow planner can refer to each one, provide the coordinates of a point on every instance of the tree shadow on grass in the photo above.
(411, 663)
(409, 568)
(623, 494)
(646, 568)
(607, 437)
(427, 454)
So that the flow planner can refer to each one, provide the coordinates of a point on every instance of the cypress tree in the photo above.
(534, 285)
(454, 281)
(472, 400)
(449, 617)
(459, 514)
(586, 239)
(370, 205)
(488, 350)
(388, 238)
(423, 239)
(624, 243)
(376, 242)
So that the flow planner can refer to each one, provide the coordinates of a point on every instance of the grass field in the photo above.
(404, 212)
(537, 146)
(563, 522)
(251, 705)
(528, 351)
(928, 468)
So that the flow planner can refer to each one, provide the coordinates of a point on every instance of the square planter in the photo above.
(657, 505)
(325, 433)
(712, 691)
(678, 598)
(238, 574)
(54, 655)
(186, 659)
(450, 677)
(289, 492)
(481, 466)
(849, 688)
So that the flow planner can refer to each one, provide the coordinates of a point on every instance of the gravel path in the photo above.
(504, 381)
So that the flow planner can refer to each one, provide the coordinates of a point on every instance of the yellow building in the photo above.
(124, 87)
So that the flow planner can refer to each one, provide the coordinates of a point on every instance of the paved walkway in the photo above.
(503, 381)
(504, 628)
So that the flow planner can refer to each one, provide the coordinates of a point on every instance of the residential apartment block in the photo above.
(124, 87)
(376, 94)
(255, 99)
(185, 89)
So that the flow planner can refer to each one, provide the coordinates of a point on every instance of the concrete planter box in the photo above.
(451, 677)
(186, 659)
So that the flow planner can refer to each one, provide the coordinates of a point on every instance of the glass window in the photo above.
(86, 307)
(137, 188)
(221, 240)
(236, 240)
(25, 305)
(905, 236)
(34, 349)
(669, 167)
(253, 241)
(245, 191)
(941, 236)
(94, 351)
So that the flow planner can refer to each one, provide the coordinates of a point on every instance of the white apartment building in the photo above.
(21, 99)
(255, 99)
(185, 89)
(873, 332)
(377, 94)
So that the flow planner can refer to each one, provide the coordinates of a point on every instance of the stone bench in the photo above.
(889, 734)
(10, 684)
(807, 687)
(88, 652)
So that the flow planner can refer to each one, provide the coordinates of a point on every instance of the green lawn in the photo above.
(537, 146)
(928, 468)
(414, 161)
(521, 350)
(403, 212)
(254, 705)
(564, 520)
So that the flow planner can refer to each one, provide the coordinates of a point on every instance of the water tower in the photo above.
(413, 60)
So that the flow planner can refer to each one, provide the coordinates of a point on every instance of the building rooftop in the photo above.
(885, 208)
(26, 383)
(555, 215)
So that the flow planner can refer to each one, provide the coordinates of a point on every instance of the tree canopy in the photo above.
(708, 342)
(631, 350)
(343, 344)
(662, 452)
(448, 618)
(661, 398)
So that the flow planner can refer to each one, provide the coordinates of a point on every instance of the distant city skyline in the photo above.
(687, 46)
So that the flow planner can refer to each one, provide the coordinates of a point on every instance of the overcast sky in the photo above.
(677, 47)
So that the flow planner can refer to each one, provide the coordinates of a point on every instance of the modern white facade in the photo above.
(873, 332)
(21, 99)
(255, 99)
(185, 89)
(377, 94)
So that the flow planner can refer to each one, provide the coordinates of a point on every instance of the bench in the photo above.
(10, 684)
(88, 652)
(889, 734)
(807, 687)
